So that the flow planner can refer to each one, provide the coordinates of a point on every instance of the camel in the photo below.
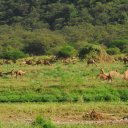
(39, 62)
(102, 76)
(105, 76)
(65, 61)
(115, 74)
(110, 75)
(46, 62)
(28, 62)
(91, 61)
(125, 60)
(19, 73)
(126, 75)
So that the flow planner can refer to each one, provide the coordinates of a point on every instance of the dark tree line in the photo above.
(45, 26)
(55, 14)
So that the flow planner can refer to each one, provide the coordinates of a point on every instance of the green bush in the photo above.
(90, 50)
(40, 122)
(67, 51)
(12, 54)
(121, 44)
(35, 49)
(113, 51)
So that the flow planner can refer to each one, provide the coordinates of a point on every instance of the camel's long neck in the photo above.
(102, 71)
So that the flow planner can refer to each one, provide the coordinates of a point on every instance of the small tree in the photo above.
(12, 54)
(113, 51)
(94, 51)
(40, 122)
(67, 51)
(35, 48)
(90, 50)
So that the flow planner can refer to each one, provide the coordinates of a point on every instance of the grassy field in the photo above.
(62, 83)
(69, 90)
(63, 114)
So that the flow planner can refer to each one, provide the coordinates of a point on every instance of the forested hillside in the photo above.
(44, 26)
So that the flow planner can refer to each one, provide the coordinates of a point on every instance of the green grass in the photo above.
(94, 126)
(20, 125)
(24, 111)
(62, 83)
(19, 115)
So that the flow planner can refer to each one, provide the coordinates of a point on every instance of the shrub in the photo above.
(113, 51)
(89, 50)
(121, 44)
(94, 51)
(35, 49)
(40, 122)
(12, 54)
(67, 51)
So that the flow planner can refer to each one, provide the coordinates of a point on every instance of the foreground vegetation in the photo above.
(65, 115)
(19, 125)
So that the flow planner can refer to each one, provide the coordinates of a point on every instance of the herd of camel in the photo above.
(102, 75)
(112, 74)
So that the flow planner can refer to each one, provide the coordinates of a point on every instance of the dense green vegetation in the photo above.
(38, 27)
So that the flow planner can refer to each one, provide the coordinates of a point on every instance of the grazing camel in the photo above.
(91, 61)
(112, 74)
(46, 62)
(39, 62)
(125, 60)
(115, 74)
(105, 76)
(65, 61)
(19, 73)
(102, 76)
(28, 62)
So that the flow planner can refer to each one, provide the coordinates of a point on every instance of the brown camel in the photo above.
(39, 62)
(19, 73)
(91, 61)
(104, 76)
(113, 74)
(46, 62)
(126, 75)
(28, 62)
(125, 60)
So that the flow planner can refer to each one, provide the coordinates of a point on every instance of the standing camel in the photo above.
(19, 73)
(91, 61)
(126, 75)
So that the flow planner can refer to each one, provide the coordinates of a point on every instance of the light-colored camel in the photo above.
(102, 76)
(111, 74)
(126, 75)
(19, 73)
